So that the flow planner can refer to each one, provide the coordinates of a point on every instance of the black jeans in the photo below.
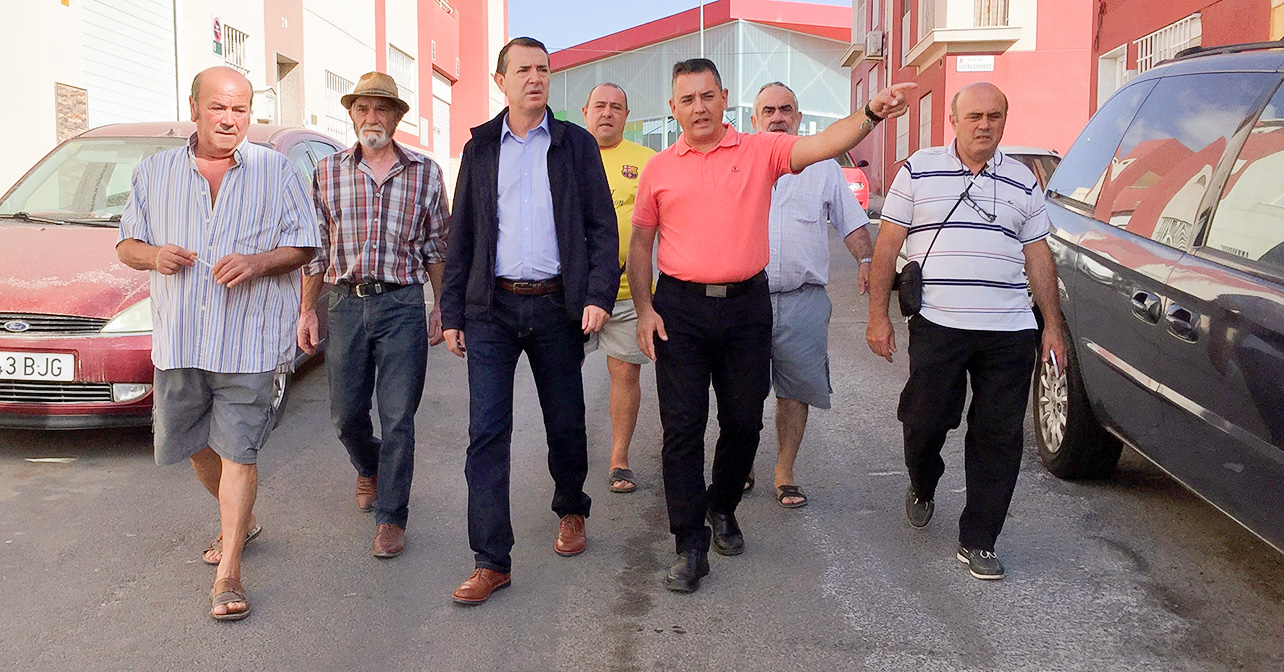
(554, 345)
(378, 346)
(1000, 364)
(726, 341)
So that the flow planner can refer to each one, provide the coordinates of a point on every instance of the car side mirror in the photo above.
(862, 163)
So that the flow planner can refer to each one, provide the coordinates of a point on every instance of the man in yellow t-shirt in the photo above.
(605, 113)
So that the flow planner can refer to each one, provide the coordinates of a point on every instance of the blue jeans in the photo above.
(554, 345)
(378, 345)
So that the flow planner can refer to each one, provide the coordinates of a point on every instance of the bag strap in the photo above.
(923, 264)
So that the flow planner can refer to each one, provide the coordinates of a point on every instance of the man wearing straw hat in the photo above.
(382, 211)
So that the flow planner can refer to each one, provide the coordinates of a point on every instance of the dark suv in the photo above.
(1168, 220)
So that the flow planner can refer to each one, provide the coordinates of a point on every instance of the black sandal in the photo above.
(625, 475)
(783, 491)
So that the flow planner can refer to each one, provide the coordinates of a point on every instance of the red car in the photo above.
(75, 322)
(856, 180)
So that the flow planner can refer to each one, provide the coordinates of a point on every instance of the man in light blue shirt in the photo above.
(803, 207)
(527, 247)
(223, 225)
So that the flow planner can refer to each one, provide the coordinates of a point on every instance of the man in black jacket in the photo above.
(532, 268)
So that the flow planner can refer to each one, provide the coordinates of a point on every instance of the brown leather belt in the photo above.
(530, 287)
(718, 291)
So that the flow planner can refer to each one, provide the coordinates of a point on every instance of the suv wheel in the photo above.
(1072, 443)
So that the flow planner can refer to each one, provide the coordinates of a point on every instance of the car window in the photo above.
(302, 159)
(1079, 177)
(1163, 167)
(1049, 165)
(87, 178)
(845, 160)
(321, 150)
(1249, 220)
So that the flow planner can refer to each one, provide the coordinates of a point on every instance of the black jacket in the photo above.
(583, 214)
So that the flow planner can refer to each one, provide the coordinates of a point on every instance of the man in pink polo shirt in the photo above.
(708, 197)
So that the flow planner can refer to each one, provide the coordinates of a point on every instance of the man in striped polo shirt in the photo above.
(221, 328)
(974, 219)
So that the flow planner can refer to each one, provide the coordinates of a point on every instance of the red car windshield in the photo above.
(85, 181)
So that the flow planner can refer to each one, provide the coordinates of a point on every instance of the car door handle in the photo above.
(1146, 306)
(1181, 323)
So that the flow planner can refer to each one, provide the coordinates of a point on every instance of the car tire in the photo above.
(1072, 443)
(280, 395)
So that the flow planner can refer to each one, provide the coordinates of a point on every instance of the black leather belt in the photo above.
(719, 291)
(370, 288)
(530, 287)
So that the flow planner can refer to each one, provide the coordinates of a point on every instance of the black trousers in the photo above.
(726, 341)
(1000, 364)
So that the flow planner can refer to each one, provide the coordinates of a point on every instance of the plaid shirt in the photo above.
(387, 231)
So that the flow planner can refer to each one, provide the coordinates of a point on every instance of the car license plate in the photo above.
(37, 366)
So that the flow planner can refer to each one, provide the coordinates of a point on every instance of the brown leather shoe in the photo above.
(477, 587)
(570, 536)
(367, 491)
(389, 542)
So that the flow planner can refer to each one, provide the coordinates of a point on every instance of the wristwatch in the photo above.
(869, 114)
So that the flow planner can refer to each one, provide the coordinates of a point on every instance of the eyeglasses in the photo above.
(967, 198)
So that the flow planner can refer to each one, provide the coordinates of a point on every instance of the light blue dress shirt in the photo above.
(527, 245)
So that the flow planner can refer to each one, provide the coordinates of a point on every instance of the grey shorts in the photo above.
(619, 336)
(800, 345)
(229, 412)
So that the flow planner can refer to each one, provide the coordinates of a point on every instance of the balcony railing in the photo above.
(990, 13)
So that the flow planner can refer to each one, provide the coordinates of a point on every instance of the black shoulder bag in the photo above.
(910, 279)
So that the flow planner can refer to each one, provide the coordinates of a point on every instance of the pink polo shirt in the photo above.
(711, 209)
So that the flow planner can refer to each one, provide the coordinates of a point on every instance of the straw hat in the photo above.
(377, 85)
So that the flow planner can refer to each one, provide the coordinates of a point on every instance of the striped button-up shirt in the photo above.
(974, 276)
(803, 206)
(262, 205)
(370, 230)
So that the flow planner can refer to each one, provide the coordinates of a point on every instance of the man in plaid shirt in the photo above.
(382, 210)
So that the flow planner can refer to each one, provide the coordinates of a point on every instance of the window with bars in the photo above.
(858, 22)
(989, 13)
(403, 70)
(1167, 41)
(925, 121)
(337, 123)
(234, 54)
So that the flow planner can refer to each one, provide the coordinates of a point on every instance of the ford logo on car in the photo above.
(16, 326)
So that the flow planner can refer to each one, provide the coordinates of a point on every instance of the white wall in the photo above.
(128, 48)
(39, 45)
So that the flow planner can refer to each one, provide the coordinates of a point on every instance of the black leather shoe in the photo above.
(727, 539)
(918, 511)
(684, 576)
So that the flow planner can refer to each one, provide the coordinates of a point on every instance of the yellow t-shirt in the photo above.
(624, 163)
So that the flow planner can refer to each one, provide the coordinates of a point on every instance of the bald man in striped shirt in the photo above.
(223, 225)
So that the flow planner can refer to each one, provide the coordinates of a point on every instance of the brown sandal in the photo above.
(217, 544)
(232, 592)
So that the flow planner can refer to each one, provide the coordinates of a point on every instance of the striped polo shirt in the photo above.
(974, 277)
(262, 205)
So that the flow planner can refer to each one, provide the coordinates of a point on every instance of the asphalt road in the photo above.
(100, 568)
